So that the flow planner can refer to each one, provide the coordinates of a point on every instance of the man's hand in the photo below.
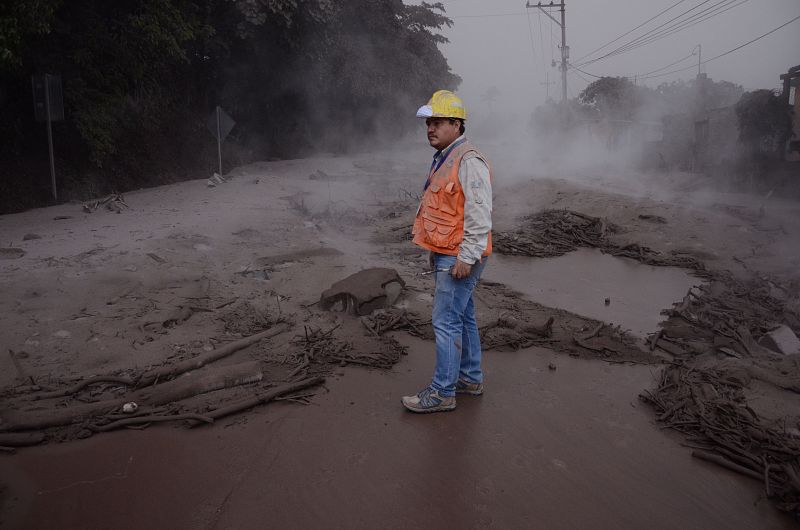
(460, 269)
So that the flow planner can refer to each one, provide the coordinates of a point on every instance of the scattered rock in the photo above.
(552, 367)
(113, 203)
(62, 334)
(156, 257)
(782, 340)
(319, 175)
(11, 253)
(653, 218)
(83, 434)
(608, 301)
(363, 292)
(257, 274)
(214, 180)
(28, 237)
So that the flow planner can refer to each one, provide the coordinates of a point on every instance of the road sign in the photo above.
(48, 106)
(47, 91)
(220, 124)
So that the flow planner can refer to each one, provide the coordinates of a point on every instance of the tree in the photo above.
(490, 96)
(613, 97)
(765, 124)
(140, 77)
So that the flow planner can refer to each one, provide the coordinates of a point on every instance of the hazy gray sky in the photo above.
(511, 53)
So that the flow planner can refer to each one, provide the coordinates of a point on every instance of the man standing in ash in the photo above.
(454, 222)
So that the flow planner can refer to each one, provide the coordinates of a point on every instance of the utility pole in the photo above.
(564, 48)
(699, 57)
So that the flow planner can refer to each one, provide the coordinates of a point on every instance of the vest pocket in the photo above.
(439, 232)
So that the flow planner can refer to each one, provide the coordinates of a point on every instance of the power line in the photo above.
(575, 72)
(573, 67)
(487, 15)
(530, 34)
(541, 39)
(716, 9)
(729, 51)
(640, 76)
(650, 33)
(669, 65)
(629, 32)
(647, 33)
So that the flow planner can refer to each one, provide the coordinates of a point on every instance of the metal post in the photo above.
(50, 134)
(699, 57)
(564, 49)
(564, 52)
(219, 143)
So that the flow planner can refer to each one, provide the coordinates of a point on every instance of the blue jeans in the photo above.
(458, 346)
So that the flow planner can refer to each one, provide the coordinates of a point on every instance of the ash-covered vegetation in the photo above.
(703, 125)
(141, 77)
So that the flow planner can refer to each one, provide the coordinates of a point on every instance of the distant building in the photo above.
(716, 132)
(791, 97)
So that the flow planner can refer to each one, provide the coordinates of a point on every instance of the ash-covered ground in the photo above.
(201, 303)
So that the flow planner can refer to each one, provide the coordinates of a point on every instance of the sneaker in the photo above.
(429, 400)
(465, 387)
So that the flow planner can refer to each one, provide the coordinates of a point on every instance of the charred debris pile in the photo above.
(723, 336)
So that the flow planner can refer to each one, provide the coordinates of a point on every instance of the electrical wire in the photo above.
(575, 72)
(551, 40)
(629, 32)
(654, 31)
(647, 33)
(573, 67)
(488, 15)
(530, 34)
(639, 76)
(541, 41)
(668, 66)
(716, 9)
(729, 51)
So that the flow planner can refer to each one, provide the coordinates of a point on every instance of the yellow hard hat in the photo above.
(443, 104)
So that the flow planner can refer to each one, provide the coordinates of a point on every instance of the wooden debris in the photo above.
(264, 397)
(83, 384)
(143, 420)
(114, 202)
(19, 439)
(709, 406)
(168, 372)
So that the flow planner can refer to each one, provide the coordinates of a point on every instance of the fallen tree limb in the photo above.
(83, 384)
(168, 392)
(21, 439)
(168, 372)
(31, 420)
(265, 397)
(150, 419)
(199, 383)
(724, 462)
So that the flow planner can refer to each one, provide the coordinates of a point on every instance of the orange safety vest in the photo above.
(439, 225)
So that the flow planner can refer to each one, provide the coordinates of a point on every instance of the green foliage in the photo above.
(19, 21)
(288, 71)
(682, 96)
(613, 97)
